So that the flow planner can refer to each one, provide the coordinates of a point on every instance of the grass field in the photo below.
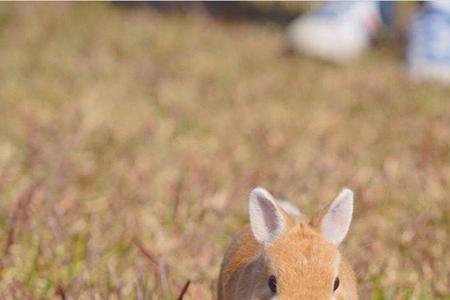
(130, 140)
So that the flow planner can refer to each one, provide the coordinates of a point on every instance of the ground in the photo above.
(131, 138)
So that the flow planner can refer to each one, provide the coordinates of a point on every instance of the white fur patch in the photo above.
(289, 207)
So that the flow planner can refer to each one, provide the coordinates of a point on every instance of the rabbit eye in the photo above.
(336, 284)
(272, 283)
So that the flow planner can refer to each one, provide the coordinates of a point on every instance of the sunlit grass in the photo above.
(130, 140)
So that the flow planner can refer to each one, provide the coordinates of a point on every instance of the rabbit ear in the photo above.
(266, 219)
(335, 220)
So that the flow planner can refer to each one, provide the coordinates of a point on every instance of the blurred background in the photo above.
(132, 134)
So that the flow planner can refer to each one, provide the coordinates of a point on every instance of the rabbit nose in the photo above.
(311, 296)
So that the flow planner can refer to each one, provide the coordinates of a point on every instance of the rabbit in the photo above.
(283, 255)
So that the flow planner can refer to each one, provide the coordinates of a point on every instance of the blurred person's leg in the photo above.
(428, 53)
(338, 31)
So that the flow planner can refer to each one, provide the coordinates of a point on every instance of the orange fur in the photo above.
(304, 263)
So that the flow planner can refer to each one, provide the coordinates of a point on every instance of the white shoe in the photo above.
(338, 31)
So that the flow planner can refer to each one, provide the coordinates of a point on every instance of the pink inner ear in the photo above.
(336, 222)
(270, 216)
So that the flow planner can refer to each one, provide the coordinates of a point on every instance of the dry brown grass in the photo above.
(130, 140)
